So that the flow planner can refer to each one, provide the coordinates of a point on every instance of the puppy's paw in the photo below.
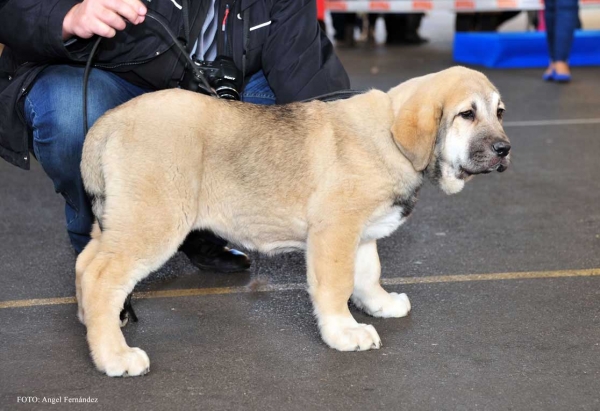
(398, 305)
(129, 362)
(350, 336)
(392, 305)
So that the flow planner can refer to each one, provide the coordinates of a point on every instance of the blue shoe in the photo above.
(548, 76)
(561, 78)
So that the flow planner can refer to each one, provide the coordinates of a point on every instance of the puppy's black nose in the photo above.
(501, 148)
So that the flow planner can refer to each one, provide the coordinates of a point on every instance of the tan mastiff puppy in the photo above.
(327, 178)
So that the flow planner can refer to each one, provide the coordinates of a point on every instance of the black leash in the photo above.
(86, 75)
(198, 73)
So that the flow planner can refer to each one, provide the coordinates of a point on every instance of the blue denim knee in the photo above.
(53, 110)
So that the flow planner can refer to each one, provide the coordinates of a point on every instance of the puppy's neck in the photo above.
(371, 115)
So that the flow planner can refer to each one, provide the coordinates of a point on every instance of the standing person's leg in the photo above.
(343, 26)
(413, 23)
(395, 26)
(567, 18)
(550, 16)
(53, 111)
(371, 31)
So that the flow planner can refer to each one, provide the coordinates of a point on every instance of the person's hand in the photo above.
(102, 17)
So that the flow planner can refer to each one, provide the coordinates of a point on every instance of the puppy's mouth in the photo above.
(496, 164)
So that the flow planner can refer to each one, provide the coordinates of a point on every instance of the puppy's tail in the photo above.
(92, 167)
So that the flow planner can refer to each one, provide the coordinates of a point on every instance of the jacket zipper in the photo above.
(132, 63)
(25, 90)
(227, 29)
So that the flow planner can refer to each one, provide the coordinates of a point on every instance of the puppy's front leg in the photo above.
(368, 293)
(330, 264)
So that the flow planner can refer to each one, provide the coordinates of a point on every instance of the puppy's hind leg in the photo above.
(126, 254)
(368, 293)
(104, 286)
(83, 260)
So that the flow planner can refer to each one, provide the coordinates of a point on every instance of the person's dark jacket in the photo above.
(295, 55)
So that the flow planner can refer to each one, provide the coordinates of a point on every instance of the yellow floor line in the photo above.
(487, 277)
(37, 302)
(192, 292)
(566, 122)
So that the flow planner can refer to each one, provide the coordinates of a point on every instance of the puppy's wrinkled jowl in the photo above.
(327, 178)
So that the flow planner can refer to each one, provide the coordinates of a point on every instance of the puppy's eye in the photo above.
(500, 113)
(468, 115)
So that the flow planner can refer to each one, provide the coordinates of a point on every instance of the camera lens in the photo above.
(228, 92)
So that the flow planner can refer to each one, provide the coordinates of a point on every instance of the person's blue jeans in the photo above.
(53, 110)
(562, 17)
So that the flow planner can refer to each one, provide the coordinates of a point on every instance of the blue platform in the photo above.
(521, 50)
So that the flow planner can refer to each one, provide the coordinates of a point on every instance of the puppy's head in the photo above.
(449, 124)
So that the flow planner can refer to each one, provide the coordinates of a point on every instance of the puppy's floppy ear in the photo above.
(415, 128)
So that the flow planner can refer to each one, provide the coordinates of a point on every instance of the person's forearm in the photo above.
(32, 28)
(1, 48)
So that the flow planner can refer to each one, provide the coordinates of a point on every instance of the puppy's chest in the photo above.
(386, 220)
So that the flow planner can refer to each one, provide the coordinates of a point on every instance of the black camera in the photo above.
(222, 75)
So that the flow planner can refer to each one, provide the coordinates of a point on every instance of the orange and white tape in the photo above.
(410, 6)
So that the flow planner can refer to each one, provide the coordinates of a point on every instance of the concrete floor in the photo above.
(512, 344)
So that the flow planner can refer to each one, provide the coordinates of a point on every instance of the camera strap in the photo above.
(185, 11)
(335, 95)
(246, 22)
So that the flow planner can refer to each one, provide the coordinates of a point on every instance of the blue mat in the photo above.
(521, 50)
